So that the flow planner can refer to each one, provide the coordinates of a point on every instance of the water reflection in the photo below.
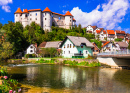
(76, 79)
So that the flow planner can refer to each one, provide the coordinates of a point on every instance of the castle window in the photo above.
(16, 15)
(70, 20)
(59, 18)
(45, 18)
(36, 18)
(70, 17)
(26, 15)
(36, 14)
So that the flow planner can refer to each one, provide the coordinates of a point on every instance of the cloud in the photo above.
(2, 19)
(64, 5)
(111, 15)
(64, 11)
(5, 6)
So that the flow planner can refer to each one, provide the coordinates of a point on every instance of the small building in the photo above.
(90, 29)
(120, 34)
(110, 35)
(101, 34)
(96, 50)
(32, 49)
(53, 44)
(76, 47)
(123, 46)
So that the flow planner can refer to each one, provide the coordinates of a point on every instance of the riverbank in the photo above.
(62, 61)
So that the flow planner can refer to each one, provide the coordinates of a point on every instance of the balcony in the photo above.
(78, 54)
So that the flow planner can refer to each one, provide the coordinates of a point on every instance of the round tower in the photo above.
(18, 15)
(68, 20)
(25, 17)
(47, 19)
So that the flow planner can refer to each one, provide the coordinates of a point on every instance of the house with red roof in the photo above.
(100, 34)
(109, 47)
(44, 18)
(110, 35)
(91, 29)
(120, 34)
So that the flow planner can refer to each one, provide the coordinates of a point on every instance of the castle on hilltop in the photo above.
(44, 18)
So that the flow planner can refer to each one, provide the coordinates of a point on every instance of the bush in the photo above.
(30, 55)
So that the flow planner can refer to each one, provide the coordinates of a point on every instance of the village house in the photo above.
(122, 46)
(120, 34)
(76, 47)
(53, 44)
(110, 35)
(91, 29)
(32, 49)
(109, 47)
(44, 18)
(95, 49)
(101, 34)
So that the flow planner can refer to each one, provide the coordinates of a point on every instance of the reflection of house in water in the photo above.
(69, 76)
(31, 73)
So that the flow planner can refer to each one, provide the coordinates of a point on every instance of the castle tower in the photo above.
(47, 19)
(25, 15)
(17, 15)
(68, 20)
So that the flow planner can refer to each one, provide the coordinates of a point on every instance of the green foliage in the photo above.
(8, 84)
(118, 39)
(84, 63)
(98, 43)
(1, 25)
(6, 50)
(30, 55)
(45, 61)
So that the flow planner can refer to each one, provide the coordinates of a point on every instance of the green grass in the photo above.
(45, 61)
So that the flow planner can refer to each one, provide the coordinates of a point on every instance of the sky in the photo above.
(107, 14)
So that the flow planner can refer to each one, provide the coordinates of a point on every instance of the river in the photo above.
(71, 79)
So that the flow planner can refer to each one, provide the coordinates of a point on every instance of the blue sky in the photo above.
(108, 14)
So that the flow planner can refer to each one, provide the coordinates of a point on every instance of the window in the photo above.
(86, 52)
(30, 14)
(21, 18)
(70, 20)
(31, 47)
(45, 13)
(70, 45)
(45, 18)
(80, 52)
(59, 18)
(50, 14)
(81, 46)
(36, 14)
(64, 52)
(69, 52)
(67, 45)
(70, 17)
(16, 15)
(36, 18)
(30, 18)
(64, 46)
(26, 15)
(31, 50)
(73, 46)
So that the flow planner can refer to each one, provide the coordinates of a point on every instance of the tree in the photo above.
(43, 52)
(52, 51)
(1, 25)
(118, 39)
(6, 50)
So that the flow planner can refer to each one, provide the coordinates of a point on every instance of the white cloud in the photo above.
(64, 11)
(112, 13)
(2, 19)
(4, 4)
(64, 5)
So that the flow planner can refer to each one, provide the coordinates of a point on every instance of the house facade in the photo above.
(110, 35)
(100, 34)
(32, 49)
(120, 34)
(91, 29)
(73, 47)
(44, 18)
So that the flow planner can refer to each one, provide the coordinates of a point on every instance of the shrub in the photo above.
(30, 55)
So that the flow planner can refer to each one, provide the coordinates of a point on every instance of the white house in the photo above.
(32, 49)
(110, 35)
(120, 34)
(91, 29)
(76, 47)
(44, 18)
(101, 34)
(123, 46)
(109, 47)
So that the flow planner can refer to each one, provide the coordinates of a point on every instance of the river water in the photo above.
(71, 79)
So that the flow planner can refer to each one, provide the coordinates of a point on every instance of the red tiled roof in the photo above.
(46, 10)
(68, 14)
(98, 31)
(34, 10)
(43, 44)
(110, 32)
(74, 19)
(18, 10)
(105, 43)
(94, 27)
(104, 32)
(58, 14)
(120, 32)
(101, 29)
(25, 11)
